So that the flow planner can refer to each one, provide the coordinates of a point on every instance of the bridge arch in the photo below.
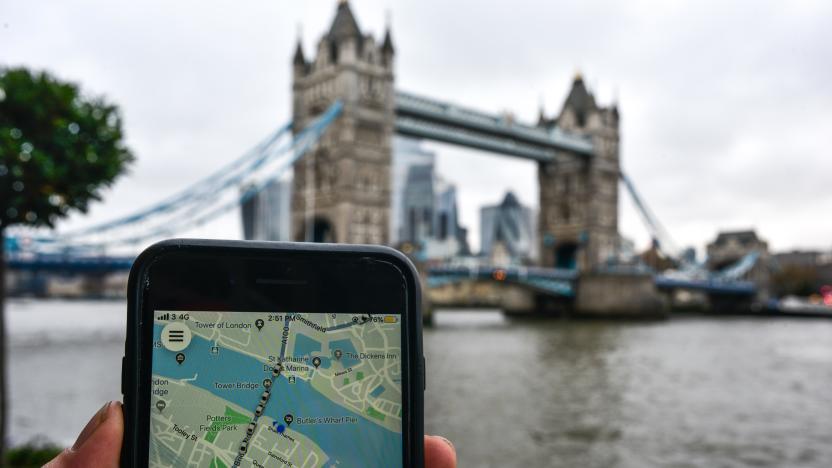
(323, 230)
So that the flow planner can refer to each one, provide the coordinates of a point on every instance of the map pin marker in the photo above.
(160, 405)
(316, 361)
(267, 383)
(259, 324)
(180, 358)
(338, 354)
(288, 419)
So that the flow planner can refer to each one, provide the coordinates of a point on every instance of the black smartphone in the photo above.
(266, 354)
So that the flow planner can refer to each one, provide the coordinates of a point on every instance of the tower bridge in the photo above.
(342, 190)
(345, 112)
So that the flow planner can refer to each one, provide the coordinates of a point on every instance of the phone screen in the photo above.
(255, 389)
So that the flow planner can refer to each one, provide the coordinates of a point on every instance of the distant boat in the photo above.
(802, 307)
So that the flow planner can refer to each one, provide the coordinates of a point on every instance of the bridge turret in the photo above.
(579, 111)
(348, 173)
(579, 196)
(387, 49)
(299, 65)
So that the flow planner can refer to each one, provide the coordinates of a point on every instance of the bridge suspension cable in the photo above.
(659, 235)
(687, 270)
(218, 180)
(223, 190)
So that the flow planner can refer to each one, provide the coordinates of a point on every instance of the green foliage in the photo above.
(31, 455)
(58, 148)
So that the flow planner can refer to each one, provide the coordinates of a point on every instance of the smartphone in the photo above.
(268, 354)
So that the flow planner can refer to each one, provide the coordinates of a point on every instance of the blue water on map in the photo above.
(306, 346)
(362, 444)
(347, 347)
(377, 391)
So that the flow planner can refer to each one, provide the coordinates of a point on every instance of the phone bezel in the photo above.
(164, 273)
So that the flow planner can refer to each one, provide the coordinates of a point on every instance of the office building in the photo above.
(508, 227)
(266, 215)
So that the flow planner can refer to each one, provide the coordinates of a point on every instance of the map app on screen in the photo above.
(252, 389)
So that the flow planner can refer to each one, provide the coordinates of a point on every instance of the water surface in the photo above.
(689, 392)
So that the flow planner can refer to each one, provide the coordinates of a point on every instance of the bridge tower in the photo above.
(578, 225)
(349, 170)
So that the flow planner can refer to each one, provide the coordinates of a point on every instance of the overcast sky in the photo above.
(726, 107)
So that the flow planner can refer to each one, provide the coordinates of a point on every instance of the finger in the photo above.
(439, 452)
(99, 417)
(99, 443)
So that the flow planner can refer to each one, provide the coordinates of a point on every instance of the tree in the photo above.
(58, 149)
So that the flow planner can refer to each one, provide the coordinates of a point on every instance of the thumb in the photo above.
(439, 452)
(99, 443)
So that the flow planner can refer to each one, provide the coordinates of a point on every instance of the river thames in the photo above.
(685, 392)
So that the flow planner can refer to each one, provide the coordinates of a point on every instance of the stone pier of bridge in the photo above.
(617, 295)
(630, 295)
(593, 295)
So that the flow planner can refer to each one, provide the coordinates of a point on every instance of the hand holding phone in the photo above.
(269, 354)
(99, 444)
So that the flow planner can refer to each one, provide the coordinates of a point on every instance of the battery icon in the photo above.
(390, 319)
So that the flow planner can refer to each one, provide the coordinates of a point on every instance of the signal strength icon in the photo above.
(165, 316)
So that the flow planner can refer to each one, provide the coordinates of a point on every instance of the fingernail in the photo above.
(91, 426)
(447, 442)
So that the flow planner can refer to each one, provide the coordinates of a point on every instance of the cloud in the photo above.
(726, 107)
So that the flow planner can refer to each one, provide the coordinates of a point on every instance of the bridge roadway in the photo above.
(548, 281)
(620, 292)
(57, 263)
(562, 281)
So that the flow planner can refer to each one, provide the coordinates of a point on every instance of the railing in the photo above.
(557, 282)
(561, 281)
